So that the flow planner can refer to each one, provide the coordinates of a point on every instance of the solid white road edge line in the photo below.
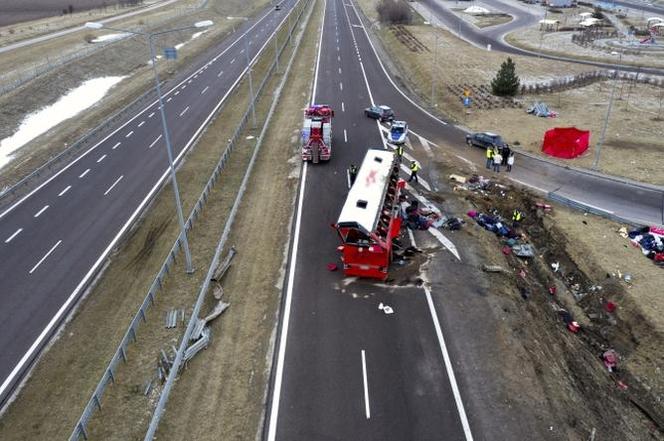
(529, 185)
(367, 410)
(448, 367)
(113, 185)
(283, 337)
(45, 256)
(148, 107)
(412, 237)
(56, 318)
(16, 233)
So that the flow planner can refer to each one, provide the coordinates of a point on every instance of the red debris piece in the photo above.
(610, 306)
(573, 327)
(522, 273)
(552, 290)
(610, 359)
(332, 267)
(507, 250)
(545, 207)
(622, 385)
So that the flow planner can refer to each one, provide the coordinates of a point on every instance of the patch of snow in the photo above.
(198, 34)
(109, 37)
(69, 105)
(476, 10)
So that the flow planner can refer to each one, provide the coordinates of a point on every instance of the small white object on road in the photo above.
(386, 308)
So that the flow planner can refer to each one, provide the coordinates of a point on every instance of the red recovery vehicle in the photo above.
(317, 133)
(371, 216)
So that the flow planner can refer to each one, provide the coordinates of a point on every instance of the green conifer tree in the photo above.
(506, 83)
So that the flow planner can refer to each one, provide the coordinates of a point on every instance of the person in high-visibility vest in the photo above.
(399, 151)
(489, 157)
(352, 173)
(414, 168)
(517, 217)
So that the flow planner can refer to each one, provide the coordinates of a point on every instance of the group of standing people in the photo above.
(495, 157)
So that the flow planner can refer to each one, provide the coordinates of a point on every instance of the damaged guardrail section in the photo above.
(108, 377)
(216, 270)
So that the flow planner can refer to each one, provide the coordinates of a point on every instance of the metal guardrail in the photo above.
(108, 377)
(182, 350)
(589, 209)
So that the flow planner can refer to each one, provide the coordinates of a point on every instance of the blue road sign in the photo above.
(466, 101)
(170, 53)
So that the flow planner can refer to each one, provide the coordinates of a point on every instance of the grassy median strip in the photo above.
(69, 371)
(221, 396)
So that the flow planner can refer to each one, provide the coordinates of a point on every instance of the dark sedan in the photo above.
(485, 140)
(382, 113)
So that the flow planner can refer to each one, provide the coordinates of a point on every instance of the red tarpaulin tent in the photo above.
(565, 142)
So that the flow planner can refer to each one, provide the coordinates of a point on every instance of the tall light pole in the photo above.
(167, 137)
(433, 71)
(251, 84)
(598, 149)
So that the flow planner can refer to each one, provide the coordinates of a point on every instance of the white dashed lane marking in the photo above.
(45, 256)
(129, 134)
(16, 233)
(143, 122)
(113, 185)
(64, 191)
(84, 173)
(101, 158)
(205, 90)
(116, 146)
(44, 208)
(184, 111)
(155, 141)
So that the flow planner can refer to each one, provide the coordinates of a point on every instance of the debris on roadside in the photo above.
(172, 317)
(610, 360)
(386, 308)
(650, 240)
(540, 109)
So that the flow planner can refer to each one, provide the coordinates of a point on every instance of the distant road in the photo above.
(57, 34)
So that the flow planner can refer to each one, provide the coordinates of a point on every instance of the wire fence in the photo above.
(108, 377)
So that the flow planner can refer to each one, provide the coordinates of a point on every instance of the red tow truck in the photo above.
(371, 216)
(317, 133)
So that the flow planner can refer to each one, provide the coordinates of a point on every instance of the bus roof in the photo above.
(365, 197)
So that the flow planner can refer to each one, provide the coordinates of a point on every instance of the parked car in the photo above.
(485, 140)
(382, 113)
(398, 132)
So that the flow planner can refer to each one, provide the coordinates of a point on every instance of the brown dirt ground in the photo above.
(66, 374)
(124, 58)
(583, 107)
(558, 371)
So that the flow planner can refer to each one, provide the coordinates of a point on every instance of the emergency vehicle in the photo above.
(317, 133)
(371, 216)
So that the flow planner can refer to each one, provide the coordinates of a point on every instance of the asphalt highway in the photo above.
(54, 240)
(346, 370)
